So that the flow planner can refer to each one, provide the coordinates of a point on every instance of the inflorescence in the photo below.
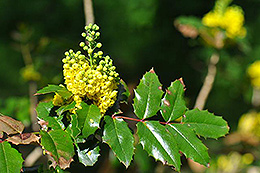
(91, 76)
(228, 18)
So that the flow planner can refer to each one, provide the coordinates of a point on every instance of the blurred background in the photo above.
(138, 35)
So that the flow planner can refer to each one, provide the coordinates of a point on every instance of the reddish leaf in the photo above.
(25, 138)
(10, 125)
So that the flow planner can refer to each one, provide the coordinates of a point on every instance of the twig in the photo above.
(208, 83)
(33, 157)
(88, 10)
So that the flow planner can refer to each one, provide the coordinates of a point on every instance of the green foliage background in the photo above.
(138, 35)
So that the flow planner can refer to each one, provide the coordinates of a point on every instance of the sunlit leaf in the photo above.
(148, 95)
(89, 157)
(159, 143)
(120, 139)
(173, 104)
(61, 90)
(88, 118)
(206, 124)
(10, 159)
(24, 138)
(73, 128)
(43, 109)
(65, 108)
(189, 143)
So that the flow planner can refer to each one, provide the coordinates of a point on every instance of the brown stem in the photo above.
(88, 9)
(208, 83)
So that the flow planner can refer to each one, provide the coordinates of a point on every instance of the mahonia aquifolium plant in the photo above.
(254, 74)
(84, 114)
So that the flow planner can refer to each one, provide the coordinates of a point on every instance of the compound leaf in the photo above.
(120, 139)
(173, 104)
(10, 159)
(148, 95)
(159, 143)
(189, 143)
(206, 124)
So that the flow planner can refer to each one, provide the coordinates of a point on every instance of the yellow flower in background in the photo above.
(30, 74)
(229, 18)
(249, 124)
(254, 73)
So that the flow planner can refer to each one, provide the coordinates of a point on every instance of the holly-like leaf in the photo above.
(24, 138)
(173, 104)
(59, 145)
(89, 157)
(43, 109)
(65, 108)
(73, 128)
(206, 124)
(148, 96)
(10, 125)
(189, 143)
(159, 143)
(10, 159)
(88, 118)
(120, 139)
(61, 90)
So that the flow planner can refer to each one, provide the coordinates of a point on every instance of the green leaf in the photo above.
(61, 90)
(65, 108)
(89, 157)
(73, 128)
(159, 143)
(206, 124)
(148, 96)
(189, 143)
(173, 104)
(120, 139)
(10, 159)
(43, 109)
(58, 145)
(88, 118)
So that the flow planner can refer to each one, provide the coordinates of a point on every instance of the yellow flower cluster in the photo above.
(234, 162)
(92, 78)
(249, 124)
(230, 19)
(30, 74)
(254, 73)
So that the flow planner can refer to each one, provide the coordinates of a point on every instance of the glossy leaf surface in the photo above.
(89, 157)
(206, 124)
(159, 143)
(120, 139)
(57, 89)
(189, 143)
(88, 118)
(148, 95)
(173, 104)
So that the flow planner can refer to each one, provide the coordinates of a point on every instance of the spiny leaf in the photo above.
(148, 95)
(10, 159)
(158, 142)
(88, 118)
(189, 143)
(120, 139)
(89, 157)
(173, 104)
(65, 108)
(73, 128)
(10, 125)
(206, 124)
(61, 90)
(59, 145)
